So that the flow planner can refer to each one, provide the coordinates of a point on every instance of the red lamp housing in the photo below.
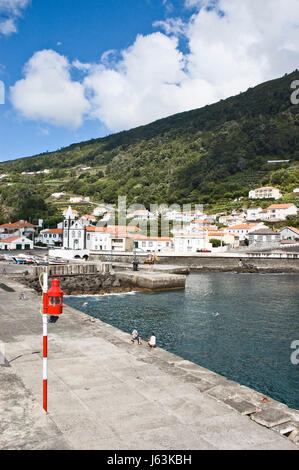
(55, 298)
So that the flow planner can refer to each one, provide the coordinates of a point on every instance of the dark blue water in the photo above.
(249, 341)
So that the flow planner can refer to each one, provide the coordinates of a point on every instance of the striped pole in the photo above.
(45, 342)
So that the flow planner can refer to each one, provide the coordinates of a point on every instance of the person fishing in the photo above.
(135, 337)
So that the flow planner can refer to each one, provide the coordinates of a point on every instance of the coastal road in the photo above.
(105, 393)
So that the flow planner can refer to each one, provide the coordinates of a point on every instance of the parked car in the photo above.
(204, 250)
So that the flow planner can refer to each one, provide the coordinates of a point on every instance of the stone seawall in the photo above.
(102, 283)
(91, 284)
(216, 263)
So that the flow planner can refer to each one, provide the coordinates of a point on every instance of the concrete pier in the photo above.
(153, 281)
(106, 393)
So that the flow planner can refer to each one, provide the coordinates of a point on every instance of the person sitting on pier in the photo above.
(135, 337)
(152, 341)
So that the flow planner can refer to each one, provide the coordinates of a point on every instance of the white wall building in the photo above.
(281, 211)
(51, 236)
(57, 195)
(191, 243)
(15, 229)
(16, 243)
(88, 219)
(141, 215)
(76, 199)
(254, 213)
(289, 233)
(266, 192)
(99, 211)
(242, 230)
(150, 244)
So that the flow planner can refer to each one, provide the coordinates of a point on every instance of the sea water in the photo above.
(239, 325)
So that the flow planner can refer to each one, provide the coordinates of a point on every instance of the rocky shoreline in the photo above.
(87, 284)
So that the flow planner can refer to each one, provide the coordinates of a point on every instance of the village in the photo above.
(189, 232)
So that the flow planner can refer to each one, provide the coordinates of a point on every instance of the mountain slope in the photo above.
(219, 151)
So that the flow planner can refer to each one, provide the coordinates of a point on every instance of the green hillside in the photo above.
(211, 155)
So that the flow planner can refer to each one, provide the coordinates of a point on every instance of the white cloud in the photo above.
(10, 11)
(149, 82)
(231, 45)
(174, 26)
(48, 94)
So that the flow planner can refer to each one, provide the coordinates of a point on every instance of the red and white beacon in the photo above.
(55, 301)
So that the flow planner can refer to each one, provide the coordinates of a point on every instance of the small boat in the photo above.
(19, 260)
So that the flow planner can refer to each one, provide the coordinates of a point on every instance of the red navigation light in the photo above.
(55, 298)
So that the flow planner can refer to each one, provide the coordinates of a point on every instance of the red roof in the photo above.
(144, 237)
(19, 224)
(55, 230)
(241, 226)
(9, 239)
(280, 206)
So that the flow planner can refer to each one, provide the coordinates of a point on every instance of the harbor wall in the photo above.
(215, 263)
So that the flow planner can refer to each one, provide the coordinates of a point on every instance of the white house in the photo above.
(182, 216)
(253, 213)
(98, 239)
(191, 243)
(51, 236)
(108, 216)
(198, 224)
(264, 238)
(242, 230)
(57, 195)
(149, 244)
(141, 215)
(99, 211)
(226, 238)
(281, 211)
(76, 199)
(88, 219)
(266, 192)
(15, 229)
(108, 239)
(16, 243)
(289, 233)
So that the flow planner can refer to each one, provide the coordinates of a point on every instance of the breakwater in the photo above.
(216, 263)
(102, 283)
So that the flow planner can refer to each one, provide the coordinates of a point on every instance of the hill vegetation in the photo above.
(213, 155)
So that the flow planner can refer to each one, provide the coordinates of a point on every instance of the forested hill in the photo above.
(206, 154)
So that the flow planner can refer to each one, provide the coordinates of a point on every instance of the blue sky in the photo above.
(75, 70)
